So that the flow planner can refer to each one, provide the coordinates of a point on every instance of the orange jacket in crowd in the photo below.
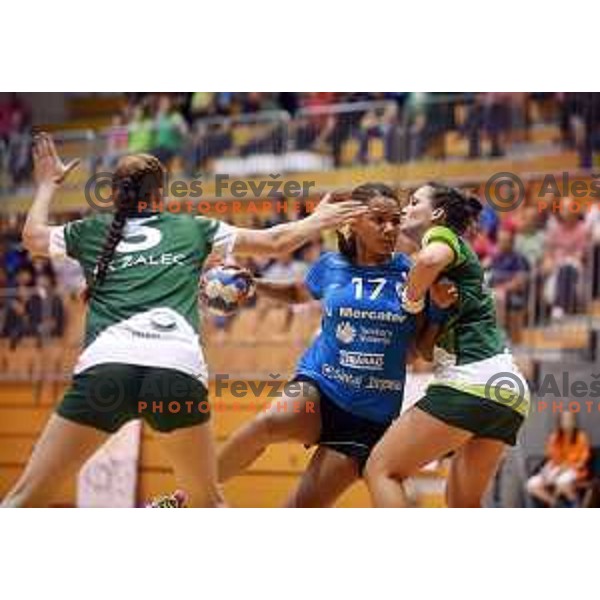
(562, 452)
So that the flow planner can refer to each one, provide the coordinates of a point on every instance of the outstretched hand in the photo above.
(335, 210)
(48, 167)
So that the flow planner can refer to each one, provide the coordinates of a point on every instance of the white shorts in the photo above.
(551, 475)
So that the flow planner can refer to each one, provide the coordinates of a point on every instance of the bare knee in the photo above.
(380, 467)
(535, 486)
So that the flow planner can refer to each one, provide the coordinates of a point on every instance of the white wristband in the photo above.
(413, 307)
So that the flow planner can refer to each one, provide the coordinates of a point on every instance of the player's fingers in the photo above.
(36, 149)
(45, 148)
(351, 205)
(71, 166)
(341, 196)
(50, 145)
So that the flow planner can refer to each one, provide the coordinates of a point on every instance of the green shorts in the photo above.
(108, 396)
(482, 417)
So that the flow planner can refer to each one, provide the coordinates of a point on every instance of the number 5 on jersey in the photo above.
(138, 237)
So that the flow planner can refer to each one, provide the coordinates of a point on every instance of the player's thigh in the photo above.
(471, 471)
(191, 453)
(413, 441)
(61, 451)
(296, 415)
(328, 475)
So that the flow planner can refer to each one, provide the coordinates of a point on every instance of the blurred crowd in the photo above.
(190, 130)
(197, 127)
(542, 260)
(33, 291)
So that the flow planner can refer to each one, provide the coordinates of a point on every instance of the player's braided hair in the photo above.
(347, 244)
(461, 209)
(136, 179)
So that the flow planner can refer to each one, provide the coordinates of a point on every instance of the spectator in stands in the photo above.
(18, 322)
(289, 101)
(580, 123)
(482, 244)
(117, 141)
(530, 239)
(593, 223)
(509, 278)
(567, 244)
(497, 120)
(45, 309)
(567, 457)
(489, 222)
(439, 109)
(313, 127)
(15, 110)
(208, 141)
(19, 150)
(253, 102)
(41, 266)
(224, 103)
(4, 293)
(202, 105)
(170, 130)
(141, 130)
(489, 113)
(416, 122)
(345, 125)
(378, 123)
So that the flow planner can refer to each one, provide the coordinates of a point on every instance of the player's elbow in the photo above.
(35, 240)
(431, 262)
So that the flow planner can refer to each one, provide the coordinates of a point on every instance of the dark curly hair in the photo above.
(363, 193)
(460, 208)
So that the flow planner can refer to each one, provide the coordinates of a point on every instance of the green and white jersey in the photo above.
(471, 350)
(146, 310)
(472, 333)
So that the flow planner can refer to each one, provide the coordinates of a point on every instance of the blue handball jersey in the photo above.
(359, 357)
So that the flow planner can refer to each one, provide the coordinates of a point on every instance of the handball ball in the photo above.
(224, 289)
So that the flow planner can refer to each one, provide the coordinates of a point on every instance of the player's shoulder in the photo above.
(92, 222)
(333, 260)
(206, 225)
(440, 233)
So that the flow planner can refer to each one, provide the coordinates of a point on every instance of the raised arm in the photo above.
(291, 292)
(50, 173)
(287, 237)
